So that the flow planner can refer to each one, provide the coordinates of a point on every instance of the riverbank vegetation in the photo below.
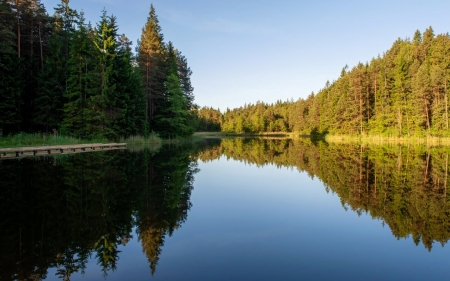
(63, 76)
(23, 139)
(401, 93)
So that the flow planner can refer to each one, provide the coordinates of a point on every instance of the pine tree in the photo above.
(150, 59)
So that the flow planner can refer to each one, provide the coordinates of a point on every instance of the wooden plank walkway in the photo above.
(19, 152)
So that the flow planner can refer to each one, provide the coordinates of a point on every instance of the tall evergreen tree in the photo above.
(10, 72)
(107, 109)
(174, 118)
(130, 95)
(150, 58)
(185, 72)
(79, 109)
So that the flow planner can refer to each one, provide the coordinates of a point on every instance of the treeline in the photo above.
(403, 92)
(61, 74)
(405, 187)
(60, 212)
(207, 119)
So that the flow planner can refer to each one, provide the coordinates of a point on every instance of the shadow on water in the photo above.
(58, 212)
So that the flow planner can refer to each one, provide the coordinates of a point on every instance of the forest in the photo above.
(62, 75)
(402, 92)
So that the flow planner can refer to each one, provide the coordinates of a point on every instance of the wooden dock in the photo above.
(19, 152)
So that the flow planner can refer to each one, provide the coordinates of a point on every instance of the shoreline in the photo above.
(365, 139)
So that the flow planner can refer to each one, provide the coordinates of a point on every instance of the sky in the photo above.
(244, 51)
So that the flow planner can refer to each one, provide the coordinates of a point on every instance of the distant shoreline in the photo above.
(366, 139)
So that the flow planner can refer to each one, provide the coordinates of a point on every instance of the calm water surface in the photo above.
(232, 209)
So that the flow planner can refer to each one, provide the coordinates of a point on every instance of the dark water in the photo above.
(228, 210)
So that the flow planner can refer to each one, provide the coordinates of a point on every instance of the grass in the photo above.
(379, 139)
(264, 134)
(24, 140)
(140, 140)
(139, 143)
(366, 139)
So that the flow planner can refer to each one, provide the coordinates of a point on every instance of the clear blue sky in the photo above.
(242, 51)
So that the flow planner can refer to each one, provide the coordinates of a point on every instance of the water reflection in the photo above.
(404, 186)
(59, 212)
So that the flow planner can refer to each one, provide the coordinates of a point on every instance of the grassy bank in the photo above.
(379, 139)
(264, 134)
(367, 139)
(140, 143)
(23, 140)
(152, 139)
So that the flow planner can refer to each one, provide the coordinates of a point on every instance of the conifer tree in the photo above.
(129, 92)
(185, 72)
(80, 118)
(150, 59)
(174, 119)
(10, 93)
(107, 109)
(10, 72)
(52, 79)
(49, 100)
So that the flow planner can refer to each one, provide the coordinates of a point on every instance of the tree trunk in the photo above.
(446, 100)
(426, 111)
(18, 28)
(40, 45)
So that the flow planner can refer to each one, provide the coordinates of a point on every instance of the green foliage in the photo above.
(174, 119)
(59, 74)
(10, 93)
(404, 92)
(207, 119)
(23, 139)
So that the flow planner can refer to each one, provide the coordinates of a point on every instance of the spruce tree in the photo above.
(107, 109)
(174, 119)
(131, 95)
(185, 72)
(82, 87)
(10, 93)
(49, 101)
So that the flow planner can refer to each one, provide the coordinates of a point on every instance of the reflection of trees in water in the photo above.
(59, 212)
(404, 186)
(166, 200)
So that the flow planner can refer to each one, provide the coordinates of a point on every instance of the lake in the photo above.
(228, 209)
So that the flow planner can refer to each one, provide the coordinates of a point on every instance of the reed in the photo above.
(151, 139)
